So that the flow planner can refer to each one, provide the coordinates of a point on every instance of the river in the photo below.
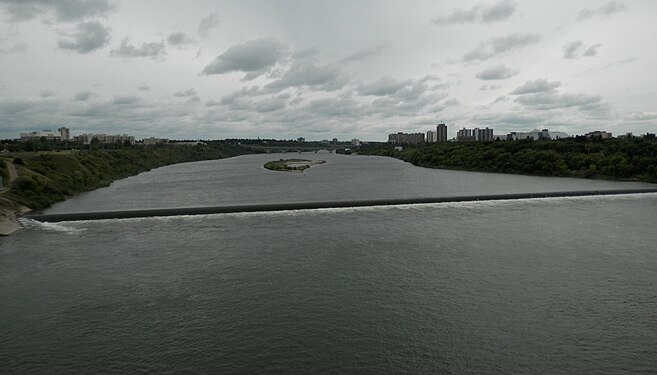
(557, 285)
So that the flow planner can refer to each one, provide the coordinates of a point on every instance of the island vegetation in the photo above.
(625, 159)
(298, 165)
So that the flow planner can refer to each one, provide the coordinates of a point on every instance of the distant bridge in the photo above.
(294, 148)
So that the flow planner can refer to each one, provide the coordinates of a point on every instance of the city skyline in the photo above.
(359, 69)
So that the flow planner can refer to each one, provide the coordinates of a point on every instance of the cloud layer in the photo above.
(255, 56)
(478, 14)
(88, 37)
(496, 46)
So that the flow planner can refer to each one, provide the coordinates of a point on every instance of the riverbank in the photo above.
(43, 178)
(632, 159)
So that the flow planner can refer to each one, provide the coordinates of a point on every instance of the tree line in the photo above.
(627, 158)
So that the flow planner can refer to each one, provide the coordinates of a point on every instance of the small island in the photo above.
(292, 165)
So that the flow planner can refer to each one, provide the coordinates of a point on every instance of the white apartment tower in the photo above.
(65, 133)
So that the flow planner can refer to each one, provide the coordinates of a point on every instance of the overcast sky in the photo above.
(203, 69)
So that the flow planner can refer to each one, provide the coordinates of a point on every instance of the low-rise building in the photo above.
(36, 135)
(154, 141)
(536, 135)
(598, 134)
(408, 138)
(104, 138)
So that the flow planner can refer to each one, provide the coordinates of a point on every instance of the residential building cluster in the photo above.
(409, 138)
(536, 135)
(440, 135)
(104, 138)
(598, 134)
(476, 134)
(64, 134)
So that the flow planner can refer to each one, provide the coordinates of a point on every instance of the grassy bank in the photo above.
(48, 177)
(624, 159)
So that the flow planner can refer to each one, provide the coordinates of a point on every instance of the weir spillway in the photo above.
(268, 207)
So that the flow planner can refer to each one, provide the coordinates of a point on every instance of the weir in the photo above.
(125, 214)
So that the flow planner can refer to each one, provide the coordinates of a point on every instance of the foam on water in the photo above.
(468, 205)
(50, 227)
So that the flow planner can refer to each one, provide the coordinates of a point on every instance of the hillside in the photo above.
(43, 178)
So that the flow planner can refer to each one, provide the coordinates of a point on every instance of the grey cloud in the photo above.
(208, 23)
(459, 16)
(307, 73)
(250, 57)
(63, 10)
(537, 86)
(382, 87)
(179, 39)
(89, 37)
(361, 55)
(126, 99)
(143, 87)
(604, 10)
(577, 49)
(126, 50)
(550, 100)
(592, 51)
(571, 50)
(46, 93)
(498, 72)
(489, 87)
(641, 116)
(83, 96)
(186, 94)
(305, 53)
(336, 108)
(479, 13)
(405, 98)
(495, 46)
(245, 92)
(498, 12)
(18, 48)
(270, 105)
(519, 121)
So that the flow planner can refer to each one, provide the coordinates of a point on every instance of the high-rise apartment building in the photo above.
(441, 133)
(65, 133)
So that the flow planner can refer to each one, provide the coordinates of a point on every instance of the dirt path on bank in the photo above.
(11, 168)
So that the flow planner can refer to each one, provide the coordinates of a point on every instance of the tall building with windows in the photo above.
(475, 134)
(65, 133)
(441, 133)
(482, 134)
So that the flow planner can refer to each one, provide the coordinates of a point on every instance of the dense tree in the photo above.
(632, 158)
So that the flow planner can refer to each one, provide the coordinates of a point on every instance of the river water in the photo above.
(558, 285)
